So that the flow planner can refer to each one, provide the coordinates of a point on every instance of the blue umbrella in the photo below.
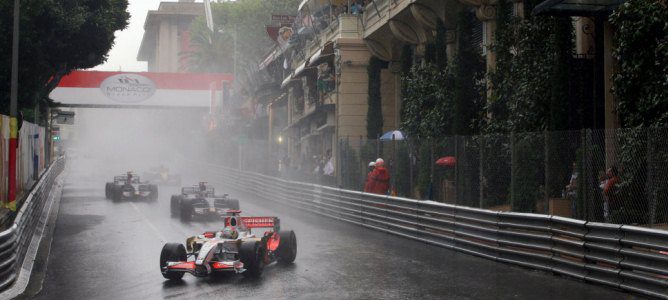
(398, 136)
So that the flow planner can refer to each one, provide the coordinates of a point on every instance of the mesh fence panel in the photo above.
(617, 176)
(495, 179)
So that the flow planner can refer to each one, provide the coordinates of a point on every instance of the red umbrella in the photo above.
(448, 161)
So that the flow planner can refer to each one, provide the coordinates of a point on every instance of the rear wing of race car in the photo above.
(193, 190)
(120, 178)
(262, 222)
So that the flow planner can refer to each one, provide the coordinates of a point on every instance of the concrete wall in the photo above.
(353, 88)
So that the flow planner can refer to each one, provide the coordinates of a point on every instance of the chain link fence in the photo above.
(615, 176)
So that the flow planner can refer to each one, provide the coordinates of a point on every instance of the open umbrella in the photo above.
(398, 136)
(448, 161)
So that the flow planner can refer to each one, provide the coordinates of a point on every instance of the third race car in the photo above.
(129, 186)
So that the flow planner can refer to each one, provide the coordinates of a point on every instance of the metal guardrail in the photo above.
(619, 256)
(14, 242)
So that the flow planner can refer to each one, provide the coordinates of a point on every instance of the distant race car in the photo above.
(201, 200)
(129, 186)
(161, 175)
(233, 249)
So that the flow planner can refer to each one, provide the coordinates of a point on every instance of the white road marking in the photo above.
(148, 222)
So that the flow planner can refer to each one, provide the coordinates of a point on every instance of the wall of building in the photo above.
(353, 88)
(388, 94)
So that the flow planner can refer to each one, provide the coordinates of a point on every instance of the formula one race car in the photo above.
(129, 186)
(233, 249)
(161, 176)
(201, 200)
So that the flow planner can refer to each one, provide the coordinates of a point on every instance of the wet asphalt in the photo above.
(106, 250)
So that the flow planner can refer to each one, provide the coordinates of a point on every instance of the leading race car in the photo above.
(162, 176)
(129, 186)
(201, 201)
(234, 249)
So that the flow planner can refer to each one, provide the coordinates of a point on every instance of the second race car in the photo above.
(201, 201)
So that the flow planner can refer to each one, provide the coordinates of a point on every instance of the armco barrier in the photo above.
(14, 242)
(630, 258)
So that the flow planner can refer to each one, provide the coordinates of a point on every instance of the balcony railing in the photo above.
(343, 26)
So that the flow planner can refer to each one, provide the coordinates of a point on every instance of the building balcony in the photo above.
(379, 12)
(320, 43)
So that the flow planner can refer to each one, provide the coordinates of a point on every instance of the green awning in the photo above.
(581, 8)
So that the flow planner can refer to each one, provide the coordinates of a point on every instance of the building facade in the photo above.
(166, 35)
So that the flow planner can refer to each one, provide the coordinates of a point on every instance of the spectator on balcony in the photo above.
(356, 7)
(325, 79)
(284, 35)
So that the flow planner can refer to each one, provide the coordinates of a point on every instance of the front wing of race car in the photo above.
(210, 211)
(135, 194)
(203, 270)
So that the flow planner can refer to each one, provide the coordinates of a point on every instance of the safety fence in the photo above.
(613, 176)
(15, 240)
(30, 157)
(620, 256)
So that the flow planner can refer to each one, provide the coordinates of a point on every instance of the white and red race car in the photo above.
(234, 249)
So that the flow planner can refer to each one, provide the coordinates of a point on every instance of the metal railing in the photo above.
(14, 242)
(620, 256)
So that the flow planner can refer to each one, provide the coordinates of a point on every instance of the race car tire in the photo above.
(174, 205)
(154, 192)
(116, 193)
(107, 190)
(252, 255)
(186, 211)
(172, 252)
(287, 247)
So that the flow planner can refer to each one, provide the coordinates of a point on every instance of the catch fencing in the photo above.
(564, 173)
(560, 173)
(15, 240)
(620, 256)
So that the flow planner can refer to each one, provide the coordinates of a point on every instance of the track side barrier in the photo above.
(15, 240)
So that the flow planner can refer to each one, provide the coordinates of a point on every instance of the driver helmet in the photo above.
(230, 233)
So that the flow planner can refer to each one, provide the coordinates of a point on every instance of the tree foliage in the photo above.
(243, 20)
(641, 47)
(441, 99)
(533, 58)
(427, 110)
(56, 37)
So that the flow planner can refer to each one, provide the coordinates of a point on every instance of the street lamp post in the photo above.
(13, 110)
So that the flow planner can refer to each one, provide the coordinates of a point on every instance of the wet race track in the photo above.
(107, 250)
